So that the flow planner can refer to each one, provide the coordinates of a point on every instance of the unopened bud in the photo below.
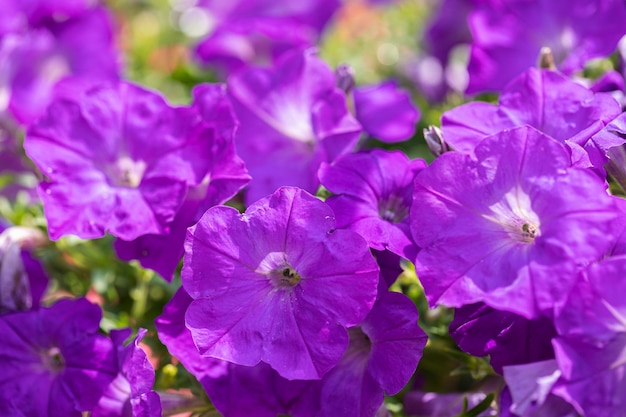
(434, 141)
(546, 59)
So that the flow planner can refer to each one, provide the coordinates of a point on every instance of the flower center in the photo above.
(127, 172)
(393, 209)
(285, 277)
(53, 359)
(515, 214)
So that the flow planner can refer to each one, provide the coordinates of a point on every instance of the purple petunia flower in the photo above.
(225, 176)
(130, 393)
(266, 392)
(509, 34)
(545, 100)
(247, 32)
(265, 283)
(292, 118)
(385, 111)
(117, 158)
(54, 362)
(374, 192)
(46, 41)
(480, 331)
(383, 353)
(510, 226)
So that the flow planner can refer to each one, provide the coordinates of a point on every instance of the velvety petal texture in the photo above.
(54, 361)
(116, 158)
(373, 194)
(292, 118)
(225, 176)
(265, 283)
(508, 36)
(510, 226)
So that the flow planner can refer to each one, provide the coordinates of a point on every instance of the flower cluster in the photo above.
(311, 265)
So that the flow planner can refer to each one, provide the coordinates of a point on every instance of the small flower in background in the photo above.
(292, 118)
(385, 111)
(54, 362)
(240, 33)
(45, 42)
(265, 283)
(373, 196)
(508, 37)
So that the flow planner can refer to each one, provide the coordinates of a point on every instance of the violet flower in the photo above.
(373, 197)
(54, 362)
(130, 393)
(225, 176)
(292, 118)
(508, 36)
(52, 40)
(383, 353)
(265, 283)
(510, 226)
(248, 32)
(385, 111)
(266, 392)
(117, 158)
(545, 100)
(480, 331)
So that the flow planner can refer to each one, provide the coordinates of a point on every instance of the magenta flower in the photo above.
(117, 158)
(267, 394)
(225, 176)
(292, 118)
(249, 32)
(265, 283)
(383, 353)
(480, 331)
(130, 393)
(385, 111)
(54, 362)
(510, 226)
(508, 37)
(373, 197)
(46, 42)
(545, 100)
